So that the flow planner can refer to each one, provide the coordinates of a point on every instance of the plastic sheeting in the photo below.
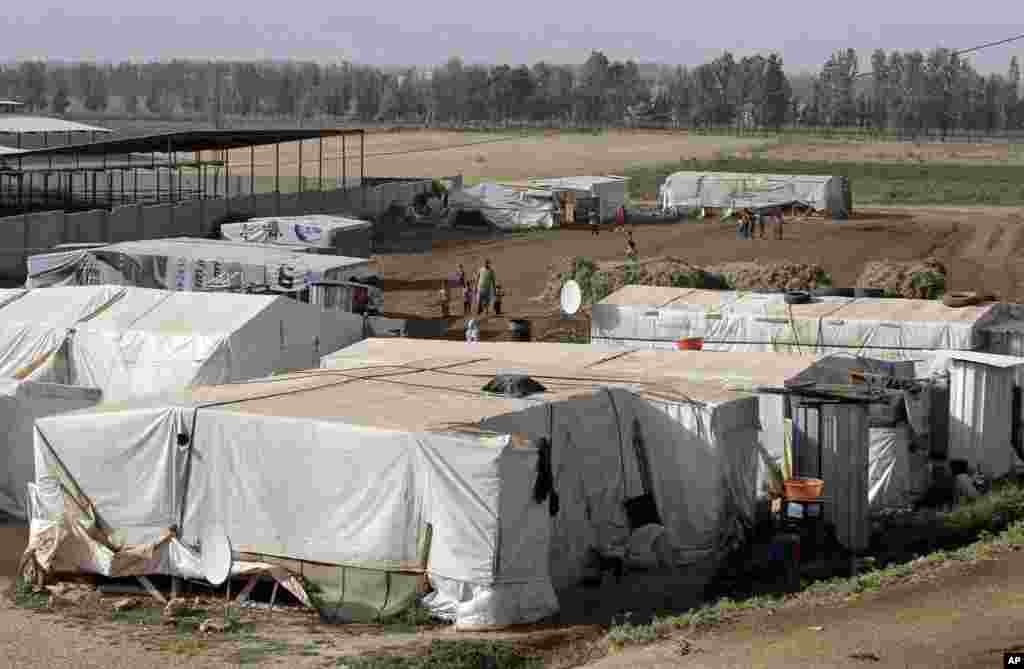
(134, 341)
(610, 191)
(734, 321)
(981, 416)
(319, 230)
(890, 484)
(187, 264)
(21, 403)
(691, 190)
(505, 208)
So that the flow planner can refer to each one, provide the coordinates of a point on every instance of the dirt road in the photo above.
(980, 246)
(965, 621)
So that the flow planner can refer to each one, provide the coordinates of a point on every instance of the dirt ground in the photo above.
(966, 620)
(885, 152)
(980, 247)
(489, 155)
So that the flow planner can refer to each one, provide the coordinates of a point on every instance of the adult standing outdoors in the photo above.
(779, 222)
(595, 223)
(485, 287)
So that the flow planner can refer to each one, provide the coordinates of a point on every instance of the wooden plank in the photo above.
(151, 589)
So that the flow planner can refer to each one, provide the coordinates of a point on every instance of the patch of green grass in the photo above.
(140, 615)
(993, 512)
(450, 655)
(872, 183)
(708, 615)
(25, 597)
(408, 620)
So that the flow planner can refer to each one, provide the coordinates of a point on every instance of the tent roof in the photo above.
(16, 125)
(990, 359)
(9, 150)
(229, 251)
(422, 385)
(584, 183)
(325, 221)
(838, 308)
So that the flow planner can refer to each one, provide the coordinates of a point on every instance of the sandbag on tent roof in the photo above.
(504, 207)
(346, 235)
(742, 321)
(185, 263)
(21, 403)
(691, 190)
(352, 469)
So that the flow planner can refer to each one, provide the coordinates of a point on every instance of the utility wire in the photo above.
(959, 52)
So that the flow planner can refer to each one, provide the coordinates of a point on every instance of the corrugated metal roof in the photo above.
(9, 150)
(15, 125)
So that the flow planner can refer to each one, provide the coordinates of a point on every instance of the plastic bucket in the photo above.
(804, 488)
(690, 344)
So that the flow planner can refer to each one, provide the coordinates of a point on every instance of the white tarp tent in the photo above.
(888, 329)
(189, 264)
(350, 236)
(133, 341)
(503, 207)
(414, 469)
(692, 190)
(21, 403)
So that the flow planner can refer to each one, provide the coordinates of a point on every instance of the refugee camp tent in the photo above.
(134, 341)
(189, 264)
(610, 191)
(888, 329)
(61, 347)
(504, 207)
(692, 190)
(21, 403)
(335, 234)
(394, 463)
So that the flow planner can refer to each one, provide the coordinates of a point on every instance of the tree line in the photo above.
(910, 92)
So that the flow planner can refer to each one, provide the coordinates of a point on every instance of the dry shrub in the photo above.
(773, 276)
(918, 279)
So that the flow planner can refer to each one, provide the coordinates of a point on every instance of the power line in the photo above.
(958, 52)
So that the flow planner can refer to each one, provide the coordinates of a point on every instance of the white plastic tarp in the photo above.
(135, 341)
(312, 230)
(889, 472)
(369, 493)
(748, 322)
(187, 264)
(690, 190)
(505, 208)
(21, 403)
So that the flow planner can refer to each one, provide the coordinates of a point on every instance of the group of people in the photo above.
(752, 221)
(480, 293)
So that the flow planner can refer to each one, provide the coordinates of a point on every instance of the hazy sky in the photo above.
(427, 33)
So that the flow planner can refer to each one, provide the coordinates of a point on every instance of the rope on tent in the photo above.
(618, 427)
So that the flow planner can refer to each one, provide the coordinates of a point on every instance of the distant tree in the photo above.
(777, 94)
(61, 101)
(32, 77)
(1014, 116)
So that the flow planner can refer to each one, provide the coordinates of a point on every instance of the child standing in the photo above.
(499, 293)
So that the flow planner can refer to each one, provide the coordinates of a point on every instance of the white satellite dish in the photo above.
(216, 554)
(571, 297)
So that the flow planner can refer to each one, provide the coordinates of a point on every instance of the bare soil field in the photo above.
(886, 152)
(981, 248)
(431, 153)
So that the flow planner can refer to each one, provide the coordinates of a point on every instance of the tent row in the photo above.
(65, 347)
(495, 471)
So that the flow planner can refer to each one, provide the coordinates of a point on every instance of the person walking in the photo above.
(779, 222)
(594, 223)
(742, 223)
(759, 222)
(499, 293)
(631, 252)
(620, 218)
(445, 299)
(485, 287)
(468, 295)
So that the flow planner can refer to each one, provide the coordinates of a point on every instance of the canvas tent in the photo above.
(330, 234)
(692, 190)
(21, 403)
(189, 264)
(392, 464)
(504, 207)
(888, 329)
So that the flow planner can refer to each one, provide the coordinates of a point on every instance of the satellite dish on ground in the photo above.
(571, 297)
(216, 554)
